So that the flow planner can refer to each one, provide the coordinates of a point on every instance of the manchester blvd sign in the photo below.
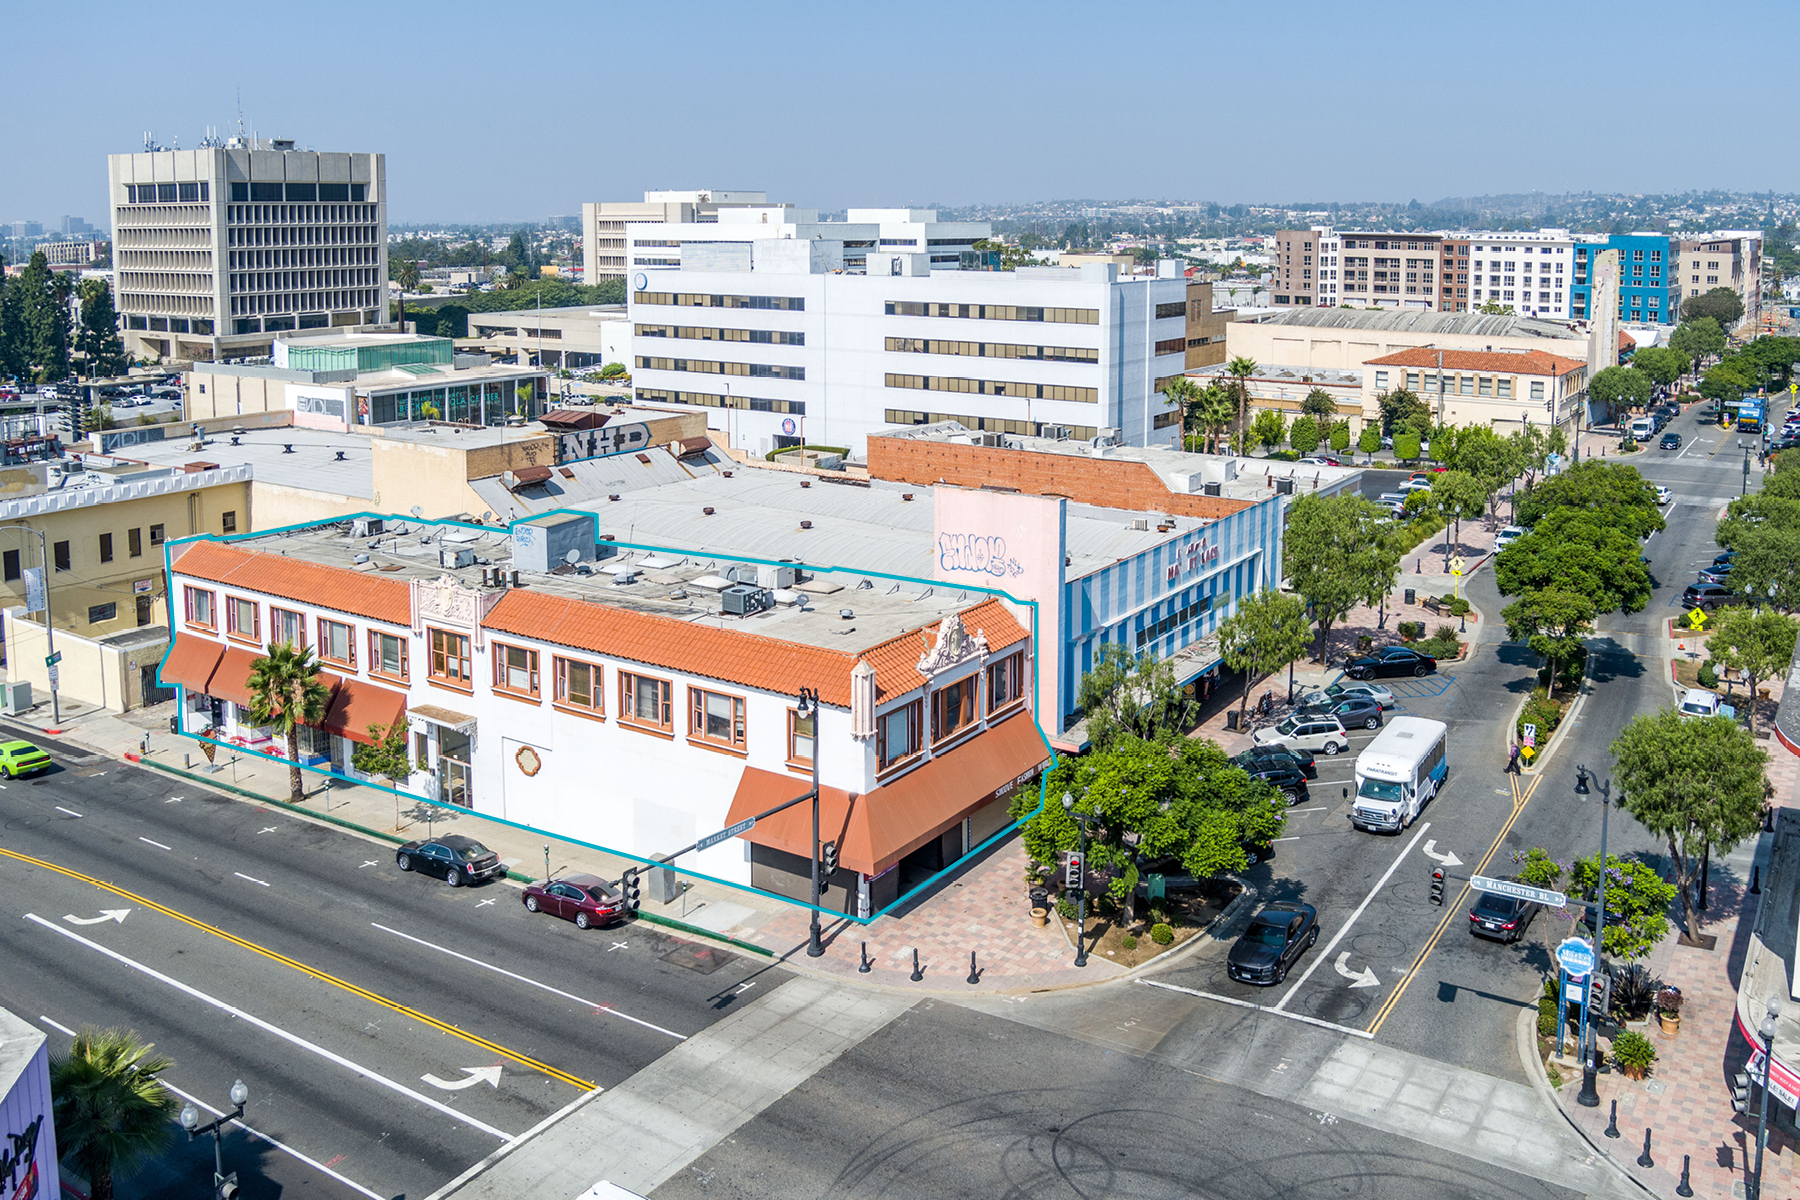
(1518, 891)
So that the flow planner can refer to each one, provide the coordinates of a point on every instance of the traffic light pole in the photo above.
(1589, 1096)
(815, 947)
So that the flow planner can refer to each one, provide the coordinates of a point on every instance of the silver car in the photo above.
(1324, 734)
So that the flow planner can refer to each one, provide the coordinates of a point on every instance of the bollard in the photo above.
(1612, 1126)
(1644, 1159)
(1684, 1188)
(1756, 881)
(974, 975)
(918, 972)
(863, 968)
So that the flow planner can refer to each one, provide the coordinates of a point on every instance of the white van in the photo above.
(1398, 772)
(1642, 427)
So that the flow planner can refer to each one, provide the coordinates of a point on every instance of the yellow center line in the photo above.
(315, 973)
(1520, 800)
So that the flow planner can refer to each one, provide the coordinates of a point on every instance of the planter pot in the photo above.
(1671, 1023)
(1634, 1072)
(1040, 917)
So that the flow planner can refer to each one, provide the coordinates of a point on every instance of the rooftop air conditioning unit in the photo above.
(1057, 433)
(1211, 489)
(742, 600)
(775, 577)
(455, 557)
(1284, 487)
(365, 527)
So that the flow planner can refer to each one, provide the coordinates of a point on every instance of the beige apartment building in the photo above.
(1503, 389)
(1205, 327)
(1342, 340)
(1323, 267)
(1728, 259)
(603, 247)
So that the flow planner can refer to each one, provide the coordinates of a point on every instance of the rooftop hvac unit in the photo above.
(1057, 433)
(775, 577)
(741, 600)
(1210, 489)
(1284, 487)
(455, 556)
(366, 527)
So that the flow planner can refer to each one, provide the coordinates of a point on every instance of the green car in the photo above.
(22, 758)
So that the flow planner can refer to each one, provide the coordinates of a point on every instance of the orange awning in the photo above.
(875, 831)
(190, 662)
(231, 678)
(355, 706)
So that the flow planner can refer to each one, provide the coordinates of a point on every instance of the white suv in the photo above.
(1324, 734)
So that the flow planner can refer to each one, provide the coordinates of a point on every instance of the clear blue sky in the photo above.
(491, 112)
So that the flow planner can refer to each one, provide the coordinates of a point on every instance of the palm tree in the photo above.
(111, 1110)
(1182, 393)
(1241, 369)
(1215, 411)
(285, 693)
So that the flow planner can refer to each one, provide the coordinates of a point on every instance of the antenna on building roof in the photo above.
(240, 110)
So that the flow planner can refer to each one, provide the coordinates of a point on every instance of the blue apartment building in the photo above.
(1648, 289)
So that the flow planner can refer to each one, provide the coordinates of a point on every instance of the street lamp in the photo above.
(226, 1186)
(1589, 1097)
(1081, 819)
(808, 709)
(1745, 489)
(1767, 1030)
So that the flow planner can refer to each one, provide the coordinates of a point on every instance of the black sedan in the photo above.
(457, 859)
(1277, 936)
(1279, 772)
(1390, 661)
(1301, 759)
(1502, 918)
(1351, 710)
(1670, 441)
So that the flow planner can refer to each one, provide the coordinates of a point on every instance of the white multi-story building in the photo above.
(1527, 273)
(217, 250)
(603, 224)
(784, 347)
(868, 230)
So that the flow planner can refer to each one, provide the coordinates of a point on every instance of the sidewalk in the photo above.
(1686, 1101)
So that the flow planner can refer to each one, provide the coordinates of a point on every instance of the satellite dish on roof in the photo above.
(572, 557)
(417, 511)
(487, 515)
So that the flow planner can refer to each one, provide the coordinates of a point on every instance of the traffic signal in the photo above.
(828, 864)
(1600, 991)
(633, 891)
(225, 1187)
(1437, 885)
(1740, 1091)
(1072, 878)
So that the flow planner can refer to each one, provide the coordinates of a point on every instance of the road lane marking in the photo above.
(241, 875)
(158, 845)
(293, 1039)
(613, 1012)
(1359, 979)
(1520, 800)
(270, 829)
(370, 863)
(1235, 1002)
(70, 811)
(106, 914)
(1379, 884)
(321, 976)
(489, 1075)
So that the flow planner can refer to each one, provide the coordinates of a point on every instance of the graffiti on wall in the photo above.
(982, 554)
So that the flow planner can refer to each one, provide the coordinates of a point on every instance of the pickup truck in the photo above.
(1698, 702)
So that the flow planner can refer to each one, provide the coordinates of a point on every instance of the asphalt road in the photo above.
(949, 1103)
(300, 959)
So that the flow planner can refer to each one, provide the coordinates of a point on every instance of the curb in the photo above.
(1540, 1083)
(395, 840)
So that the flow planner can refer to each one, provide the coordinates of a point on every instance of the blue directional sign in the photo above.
(1576, 957)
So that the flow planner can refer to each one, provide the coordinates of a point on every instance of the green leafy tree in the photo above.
(43, 299)
(1370, 440)
(1759, 645)
(1573, 551)
(1726, 381)
(1269, 429)
(1181, 800)
(1697, 783)
(98, 341)
(1493, 308)
(386, 754)
(612, 370)
(1767, 566)
(1127, 695)
(1537, 868)
(110, 1107)
(1239, 370)
(1403, 409)
(1620, 388)
(1722, 304)
(1613, 492)
(1266, 633)
(1458, 496)
(1488, 457)
(1637, 899)
(1553, 622)
(1406, 445)
(1319, 404)
(1661, 363)
(14, 361)
(1303, 435)
(1338, 555)
(1698, 340)
(1340, 436)
(285, 693)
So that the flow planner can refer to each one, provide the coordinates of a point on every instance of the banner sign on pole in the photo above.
(35, 600)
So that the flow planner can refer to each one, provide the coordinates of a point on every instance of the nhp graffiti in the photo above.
(982, 554)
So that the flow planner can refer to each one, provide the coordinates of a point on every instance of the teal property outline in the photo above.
(903, 898)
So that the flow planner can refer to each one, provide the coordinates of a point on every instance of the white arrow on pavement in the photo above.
(1364, 978)
(106, 914)
(487, 1075)
(1448, 858)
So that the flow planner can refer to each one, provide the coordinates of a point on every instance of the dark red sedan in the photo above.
(586, 900)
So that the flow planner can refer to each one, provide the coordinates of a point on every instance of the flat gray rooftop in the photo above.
(313, 465)
(1418, 320)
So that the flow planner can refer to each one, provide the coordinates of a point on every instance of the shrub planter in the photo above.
(1671, 1023)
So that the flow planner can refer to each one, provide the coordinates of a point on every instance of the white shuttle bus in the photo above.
(1398, 772)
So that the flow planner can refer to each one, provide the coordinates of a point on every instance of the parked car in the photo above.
(1502, 918)
(1320, 460)
(1698, 702)
(1306, 733)
(1278, 771)
(1717, 573)
(1392, 500)
(1705, 595)
(1275, 940)
(1670, 441)
(587, 900)
(1416, 485)
(1508, 535)
(22, 758)
(1302, 760)
(1663, 495)
(1351, 687)
(1390, 661)
(456, 858)
(1351, 711)
(1722, 559)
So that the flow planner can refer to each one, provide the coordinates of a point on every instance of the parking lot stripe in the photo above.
(1450, 910)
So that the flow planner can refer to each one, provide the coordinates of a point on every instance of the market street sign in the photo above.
(1518, 891)
(730, 831)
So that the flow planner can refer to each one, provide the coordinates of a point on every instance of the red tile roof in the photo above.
(294, 579)
(1531, 362)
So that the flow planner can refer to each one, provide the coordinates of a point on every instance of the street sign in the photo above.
(1457, 564)
(1518, 891)
(1530, 732)
(53, 678)
(53, 659)
(730, 831)
(1697, 617)
(1576, 957)
(1776, 1089)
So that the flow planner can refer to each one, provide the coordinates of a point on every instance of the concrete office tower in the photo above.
(217, 250)
(1603, 330)
(868, 230)
(603, 254)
